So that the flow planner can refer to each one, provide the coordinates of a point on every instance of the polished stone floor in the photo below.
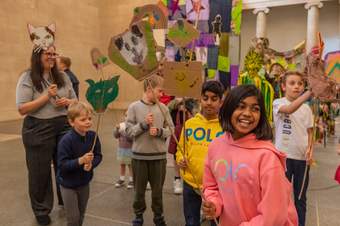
(109, 206)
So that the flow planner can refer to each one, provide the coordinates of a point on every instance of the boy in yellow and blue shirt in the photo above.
(200, 131)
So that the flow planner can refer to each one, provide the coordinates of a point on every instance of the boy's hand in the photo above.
(88, 166)
(153, 131)
(85, 159)
(149, 119)
(209, 209)
(183, 163)
(309, 155)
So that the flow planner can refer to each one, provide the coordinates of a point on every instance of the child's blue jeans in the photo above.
(192, 206)
(295, 174)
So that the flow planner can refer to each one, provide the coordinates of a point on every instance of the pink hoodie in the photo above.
(246, 181)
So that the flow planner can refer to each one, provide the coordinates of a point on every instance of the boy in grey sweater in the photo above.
(149, 130)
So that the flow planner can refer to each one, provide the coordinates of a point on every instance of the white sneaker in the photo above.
(178, 188)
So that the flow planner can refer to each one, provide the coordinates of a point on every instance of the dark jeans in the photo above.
(192, 202)
(295, 171)
(153, 171)
(75, 200)
(40, 138)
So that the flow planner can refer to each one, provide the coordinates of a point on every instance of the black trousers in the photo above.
(145, 171)
(40, 137)
(295, 173)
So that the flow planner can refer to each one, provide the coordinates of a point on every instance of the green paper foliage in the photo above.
(254, 74)
(253, 62)
(236, 17)
(101, 94)
(102, 60)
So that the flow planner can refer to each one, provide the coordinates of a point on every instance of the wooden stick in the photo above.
(313, 139)
(193, 42)
(317, 213)
(97, 130)
(100, 114)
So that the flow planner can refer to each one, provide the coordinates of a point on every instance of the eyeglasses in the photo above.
(48, 54)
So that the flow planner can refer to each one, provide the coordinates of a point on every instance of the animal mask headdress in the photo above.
(42, 37)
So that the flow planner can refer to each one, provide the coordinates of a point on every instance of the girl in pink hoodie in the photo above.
(244, 181)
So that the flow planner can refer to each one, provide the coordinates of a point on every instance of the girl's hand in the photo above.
(183, 163)
(209, 209)
(52, 90)
(88, 166)
(62, 102)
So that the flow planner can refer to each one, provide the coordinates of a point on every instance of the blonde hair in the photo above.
(289, 73)
(153, 81)
(76, 108)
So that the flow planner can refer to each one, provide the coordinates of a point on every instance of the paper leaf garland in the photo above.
(183, 79)
(182, 33)
(100, 94)
(98, 59)
(236, 17)
(135, 50)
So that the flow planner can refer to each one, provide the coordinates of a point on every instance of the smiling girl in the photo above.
(244, 177)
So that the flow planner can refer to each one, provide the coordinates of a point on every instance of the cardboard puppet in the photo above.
(183, 79)
(135, 50)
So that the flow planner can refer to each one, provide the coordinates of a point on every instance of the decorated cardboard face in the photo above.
(182, 79)
(135, 50)
(100, 94)
(42, 37)
(182, 33)
(132, 46)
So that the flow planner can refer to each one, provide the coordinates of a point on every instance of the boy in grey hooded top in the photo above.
(149, 130)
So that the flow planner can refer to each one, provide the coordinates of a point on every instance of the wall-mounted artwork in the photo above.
(332, 65)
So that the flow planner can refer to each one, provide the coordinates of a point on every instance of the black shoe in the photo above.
(43, 219)
(138, 221)
(159, 221)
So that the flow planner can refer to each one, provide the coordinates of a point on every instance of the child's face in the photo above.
(245, 117)
(211, 104)
(293, 87)
(157, 93)
(82, 123)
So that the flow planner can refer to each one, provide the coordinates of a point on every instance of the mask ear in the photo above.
(52, 27)
(30, 28)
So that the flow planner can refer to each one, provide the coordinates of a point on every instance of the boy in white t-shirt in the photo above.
(293, 124)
